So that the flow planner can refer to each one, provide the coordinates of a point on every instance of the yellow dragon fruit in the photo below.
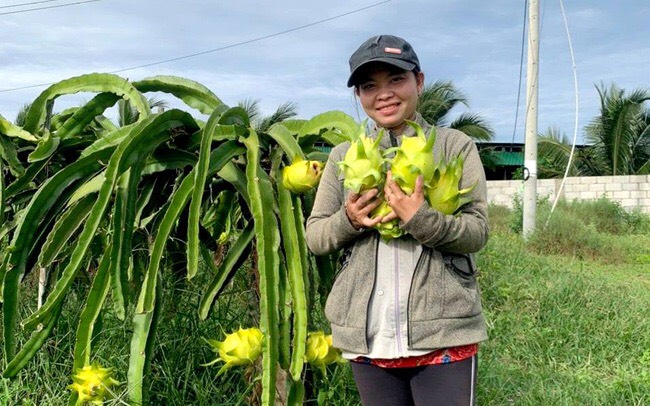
(319, 350)
(362, 167)
(414, 157)
(442, 192)
(239, 348)
(92, 384)
(301, 175)
(388, 230)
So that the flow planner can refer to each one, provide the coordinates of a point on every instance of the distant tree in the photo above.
(554, 150)
(439, 99)
(127, 114)
(618, 138)
(261, 123)
(620, 134)
(22, 113)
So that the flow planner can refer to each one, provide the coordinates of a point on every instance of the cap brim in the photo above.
(408, 66)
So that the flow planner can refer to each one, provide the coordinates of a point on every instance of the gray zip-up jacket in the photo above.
(444, 303)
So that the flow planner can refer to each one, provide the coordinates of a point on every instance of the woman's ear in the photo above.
(420, 81)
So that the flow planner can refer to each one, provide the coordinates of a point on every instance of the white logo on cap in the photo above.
(395, 51)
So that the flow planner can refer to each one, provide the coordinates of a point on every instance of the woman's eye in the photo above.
(367, 86)
(397, 79)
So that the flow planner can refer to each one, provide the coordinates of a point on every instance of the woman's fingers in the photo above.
(419, 187)
(389, 217)
(359, 206)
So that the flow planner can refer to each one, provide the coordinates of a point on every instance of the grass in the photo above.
(566, 313)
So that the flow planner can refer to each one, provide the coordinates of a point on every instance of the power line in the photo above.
(521, 62)
(29, 4)
(251, 40)
(521, 65)
(46, 7)
(223, 47)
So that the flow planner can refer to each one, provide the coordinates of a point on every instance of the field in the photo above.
(567, 314)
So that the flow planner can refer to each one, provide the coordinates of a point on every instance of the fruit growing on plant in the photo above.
(241, 347)
(319, 351)
(302, 175)
(80, 193)
(92, 384)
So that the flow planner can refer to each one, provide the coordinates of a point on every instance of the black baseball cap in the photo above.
(383, 48)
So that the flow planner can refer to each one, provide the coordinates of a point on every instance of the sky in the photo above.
(262, 53)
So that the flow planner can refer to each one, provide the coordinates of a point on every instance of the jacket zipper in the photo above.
(374, 281)
(408, 303)
(398, 319)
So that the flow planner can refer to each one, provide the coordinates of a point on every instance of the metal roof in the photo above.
(507, 158)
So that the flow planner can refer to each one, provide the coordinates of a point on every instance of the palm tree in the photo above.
(554, 150)
(22, 113)
(284, 112)
(619, 139)
(127, 114)
(437, 101)
(620, 135)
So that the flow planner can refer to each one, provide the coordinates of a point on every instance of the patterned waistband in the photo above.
(440, 356)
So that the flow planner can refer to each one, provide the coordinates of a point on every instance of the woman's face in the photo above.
(389, 96)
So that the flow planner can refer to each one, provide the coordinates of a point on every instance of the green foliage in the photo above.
(618, 139)
(581, 229)
(438, 100)
(129, 212)
(564, 329)
(562, 332)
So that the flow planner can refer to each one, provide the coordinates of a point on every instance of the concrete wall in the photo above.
(630, 191)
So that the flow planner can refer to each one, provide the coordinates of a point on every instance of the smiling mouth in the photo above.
(388, 109)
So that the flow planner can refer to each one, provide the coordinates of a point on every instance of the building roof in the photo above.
(507, 158)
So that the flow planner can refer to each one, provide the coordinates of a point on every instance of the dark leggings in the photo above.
(444, 384)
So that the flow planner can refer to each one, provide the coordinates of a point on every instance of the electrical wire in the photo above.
(223, 47)
(47, 7)
(29, 4)
(521, 67)
(577, 104)
(521, 62)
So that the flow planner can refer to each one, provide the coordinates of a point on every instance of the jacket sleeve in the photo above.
(466, 231)
(328, 227)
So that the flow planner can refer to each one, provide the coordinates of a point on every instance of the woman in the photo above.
(407, 311)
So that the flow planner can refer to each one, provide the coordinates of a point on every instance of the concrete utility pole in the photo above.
(530, 146)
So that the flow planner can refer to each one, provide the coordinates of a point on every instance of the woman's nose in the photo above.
(385, 93)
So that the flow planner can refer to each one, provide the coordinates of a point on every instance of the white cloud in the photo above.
(474, 43)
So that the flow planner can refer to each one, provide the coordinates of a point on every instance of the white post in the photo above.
(530, 146)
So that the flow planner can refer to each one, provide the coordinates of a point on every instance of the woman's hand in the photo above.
(359, 206)
(404, 207)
